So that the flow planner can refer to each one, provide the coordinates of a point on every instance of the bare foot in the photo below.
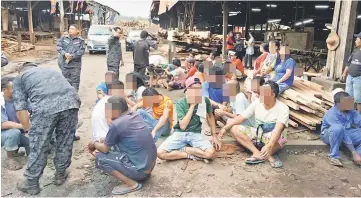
(356, 158)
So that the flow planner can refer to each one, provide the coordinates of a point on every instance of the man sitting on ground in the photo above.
(187, 130)
(160, 122)
(133, 154)
(100, 125)
(12, 133)
(102, 88)
(239, 72)
(342, 124)
(178, 76)
(238, 103)
(271, 117)
(191, 67)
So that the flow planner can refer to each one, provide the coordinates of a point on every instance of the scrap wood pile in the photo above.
(9, 44)
(132, 24)
(308, 103)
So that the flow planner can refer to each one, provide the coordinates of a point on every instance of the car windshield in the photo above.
(100, 31)
(134, 34)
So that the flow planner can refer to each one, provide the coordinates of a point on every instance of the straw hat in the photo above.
(332, 41)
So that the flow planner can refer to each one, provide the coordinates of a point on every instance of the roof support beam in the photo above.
(225, 27)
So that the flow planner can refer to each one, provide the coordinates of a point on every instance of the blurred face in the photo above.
(111, 112)
(149, 101)
(117, 33)
(255, 87)
(130, 83)
(238, 36)
(284, 51)
(194, 94)
(230, 34)
(272, 48)
(358, 42)
(267, 97)
(347, 103)
(230, 89)
(109, 78)
(8, 91)
(232, 57)
(73, 31)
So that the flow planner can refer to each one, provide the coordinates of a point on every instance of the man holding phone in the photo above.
(342, 124)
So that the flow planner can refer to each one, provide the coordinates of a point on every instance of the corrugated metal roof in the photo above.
(165, 5)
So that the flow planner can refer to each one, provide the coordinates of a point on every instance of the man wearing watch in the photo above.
(128, 152)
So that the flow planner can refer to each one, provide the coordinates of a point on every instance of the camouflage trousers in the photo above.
(42, 127)
(114, 69)
(72, 75)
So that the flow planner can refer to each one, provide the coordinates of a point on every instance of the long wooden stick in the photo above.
(292, 123)
(302, 118)
(290, 103)
(312, 128)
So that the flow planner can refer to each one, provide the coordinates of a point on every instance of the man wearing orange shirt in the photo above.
(236, 61)
(161, 122)
(192, 69)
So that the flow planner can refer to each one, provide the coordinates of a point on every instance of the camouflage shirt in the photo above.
(48, 91)
(75, 47)
(114, 52)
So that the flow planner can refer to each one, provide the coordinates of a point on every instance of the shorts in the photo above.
(118, 161)
(353, 87)
(179, 140)
(251, 132)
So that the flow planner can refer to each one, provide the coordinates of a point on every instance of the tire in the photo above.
(91, 52)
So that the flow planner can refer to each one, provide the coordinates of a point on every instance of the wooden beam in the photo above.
(61, 8)
(225, 27)
(19, 41)
(30, 21)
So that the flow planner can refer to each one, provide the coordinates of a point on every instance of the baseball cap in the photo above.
(357, 35)
(191, 81)
(231, 53)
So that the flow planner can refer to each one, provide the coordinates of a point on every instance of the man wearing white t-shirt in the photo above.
(271, 117)
(100, 125)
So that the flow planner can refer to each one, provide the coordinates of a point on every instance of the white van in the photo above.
(98, 36)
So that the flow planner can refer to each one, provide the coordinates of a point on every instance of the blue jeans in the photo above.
(337, 134)
(12, 139)
(353, 87)
(248, 61)
(179, 140)
(282, 87)
(152, 122)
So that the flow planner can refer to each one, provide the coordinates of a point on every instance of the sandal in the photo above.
(122, 189)
(336, 162)
(253, 160)
(277, 163)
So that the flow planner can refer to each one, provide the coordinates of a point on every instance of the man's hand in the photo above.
(221, 133)
(154, 133)
(90, 148)
(263, 71)
(266, 151)
(67, 56)
(343, 77)
(192, 106)
(222, 107)
(219, 112)
(217, 143)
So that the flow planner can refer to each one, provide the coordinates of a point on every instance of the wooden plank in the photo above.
(312, 128)
(307, 109)
(30, 22)
(302, 118)
(292, 123)
(19, 42)
(290, 103)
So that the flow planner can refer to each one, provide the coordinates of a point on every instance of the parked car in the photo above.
(98, 36)
(132, 37)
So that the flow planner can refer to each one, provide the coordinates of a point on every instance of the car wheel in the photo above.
(91, 52)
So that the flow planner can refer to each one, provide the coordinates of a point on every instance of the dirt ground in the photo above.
(305, 173)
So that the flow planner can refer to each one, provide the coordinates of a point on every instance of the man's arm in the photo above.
(183, 123)
(11, 125)
(137, 106)
(153, 44)
(101, 147)
(163, 119)
(79, 52)
(59, 46)
(21, 103)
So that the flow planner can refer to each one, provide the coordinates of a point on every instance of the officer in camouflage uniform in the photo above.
(55, 106)
(71, 48)
(114, 53)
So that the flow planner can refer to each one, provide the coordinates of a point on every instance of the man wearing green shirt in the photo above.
(187, 130)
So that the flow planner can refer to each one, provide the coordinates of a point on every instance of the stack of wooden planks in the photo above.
(308, 102)
(10, 44)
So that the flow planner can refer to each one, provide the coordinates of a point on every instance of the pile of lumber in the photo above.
(308, 102)
(10, 44)
(133, 24)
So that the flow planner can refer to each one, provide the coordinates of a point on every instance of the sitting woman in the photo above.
(270, 61)
(284, 70)
(102, 88)
(264, 49)
(136, 85)
(177, 76)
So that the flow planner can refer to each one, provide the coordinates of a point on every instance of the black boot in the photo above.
(28, 187)
(60, 178)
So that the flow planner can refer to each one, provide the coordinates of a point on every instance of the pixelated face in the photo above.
(284, 51)
(272, 47)
(112, 111)
(255, 86)
(130, 83)
(116, 91)
(230, 89)
(149, 101)
(8, 91)
(73, 31)
(266, 95)
(109, 78)
(194, 94)
(358, 42)
(347, 103)
(207, 65)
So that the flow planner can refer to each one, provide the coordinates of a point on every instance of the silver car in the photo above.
(98, 36)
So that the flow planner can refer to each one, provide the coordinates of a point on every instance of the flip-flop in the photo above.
(277, 163)
(253, 160)
(336, 162)
(123, 191)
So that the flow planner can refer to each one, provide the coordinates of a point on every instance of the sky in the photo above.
(130, 8)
